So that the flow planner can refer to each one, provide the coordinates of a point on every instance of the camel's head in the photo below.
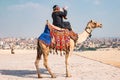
(94, 24)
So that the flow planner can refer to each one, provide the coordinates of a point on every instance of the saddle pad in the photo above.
(62, 39)
(45, 36)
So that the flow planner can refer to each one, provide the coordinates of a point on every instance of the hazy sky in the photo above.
(27, 18)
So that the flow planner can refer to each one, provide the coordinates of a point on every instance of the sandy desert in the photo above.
(85, 65)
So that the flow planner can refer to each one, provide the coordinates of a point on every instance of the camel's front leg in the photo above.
(45, 55)
(67, 65)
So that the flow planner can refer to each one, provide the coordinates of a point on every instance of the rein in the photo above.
(90, 30)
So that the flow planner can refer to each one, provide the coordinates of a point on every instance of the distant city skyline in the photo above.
(27, 18)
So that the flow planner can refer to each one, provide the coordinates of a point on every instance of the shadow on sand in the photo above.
(23, 73)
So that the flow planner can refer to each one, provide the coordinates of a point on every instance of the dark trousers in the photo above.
(67, 25)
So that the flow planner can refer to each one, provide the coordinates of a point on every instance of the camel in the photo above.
(44, 50)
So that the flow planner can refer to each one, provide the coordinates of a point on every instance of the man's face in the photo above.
(57, 8)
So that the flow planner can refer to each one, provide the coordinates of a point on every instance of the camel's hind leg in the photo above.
(45, 56)
(38, 57)
(37, 67)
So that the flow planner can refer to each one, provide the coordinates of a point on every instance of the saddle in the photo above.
(61, 39)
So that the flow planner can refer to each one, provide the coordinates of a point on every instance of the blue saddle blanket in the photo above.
(45, 36)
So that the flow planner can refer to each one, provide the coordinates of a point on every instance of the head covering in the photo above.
(54, 6)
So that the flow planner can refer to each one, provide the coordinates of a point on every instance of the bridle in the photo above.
(88, 30)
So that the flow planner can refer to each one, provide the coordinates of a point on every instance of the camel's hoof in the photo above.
(69, 75)
(39, 76)
(53, 76)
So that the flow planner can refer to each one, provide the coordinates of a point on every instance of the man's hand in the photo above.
(65, 8)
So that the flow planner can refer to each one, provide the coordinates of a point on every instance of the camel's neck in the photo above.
(84, 35)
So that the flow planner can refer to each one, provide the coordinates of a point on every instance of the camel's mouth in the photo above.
(100, 25)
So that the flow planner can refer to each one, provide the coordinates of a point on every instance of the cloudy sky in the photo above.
(27, 18)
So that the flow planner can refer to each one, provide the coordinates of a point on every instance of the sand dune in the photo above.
(20, 66)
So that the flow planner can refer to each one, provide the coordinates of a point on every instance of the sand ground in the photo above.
(20, 66)
(109, 56)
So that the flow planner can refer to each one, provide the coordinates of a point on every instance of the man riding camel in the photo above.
(58, 24)
(58, 16)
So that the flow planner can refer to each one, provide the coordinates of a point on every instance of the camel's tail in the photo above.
(39, 50)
